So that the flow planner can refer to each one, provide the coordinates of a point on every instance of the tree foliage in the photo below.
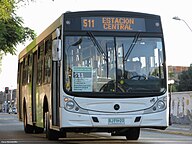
(185, 80)
(12, 31)
(6, 9)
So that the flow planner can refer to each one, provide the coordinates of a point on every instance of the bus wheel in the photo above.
(27, 128)
(39, 130)
(51, 134)
(133, 134)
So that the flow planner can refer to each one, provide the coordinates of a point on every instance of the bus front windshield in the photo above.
(97, 64)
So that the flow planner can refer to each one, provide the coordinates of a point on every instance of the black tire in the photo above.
(133, 134)
(50, 133)
(27, 128)
(39, 130)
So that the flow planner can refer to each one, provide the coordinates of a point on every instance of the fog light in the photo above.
(77, 109)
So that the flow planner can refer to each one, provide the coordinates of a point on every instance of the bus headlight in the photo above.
(72, 106)
(159, 105)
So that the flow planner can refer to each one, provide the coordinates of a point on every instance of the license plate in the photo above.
(116, 121)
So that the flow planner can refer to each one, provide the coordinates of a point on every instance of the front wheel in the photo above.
(50, 133)
(133, 134)
(38, 130)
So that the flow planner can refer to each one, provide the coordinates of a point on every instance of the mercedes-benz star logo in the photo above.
(116, 107)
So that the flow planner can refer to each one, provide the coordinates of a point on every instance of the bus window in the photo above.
(25, 71)
(29, 68)
(112, 59)
(40, 64)
(47, 62)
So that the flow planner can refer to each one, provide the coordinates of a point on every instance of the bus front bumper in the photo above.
(77, 120)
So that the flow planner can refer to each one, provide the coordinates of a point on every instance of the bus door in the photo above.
(55, 93)
(56, 57)
(34, 82)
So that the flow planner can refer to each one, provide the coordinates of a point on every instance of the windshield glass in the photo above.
(114, 64)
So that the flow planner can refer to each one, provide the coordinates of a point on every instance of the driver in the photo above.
(133, 69)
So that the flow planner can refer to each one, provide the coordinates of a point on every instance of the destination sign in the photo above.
(112, 24)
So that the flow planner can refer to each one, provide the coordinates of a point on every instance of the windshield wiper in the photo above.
(99, 49)
(96, 43)
(131, 47)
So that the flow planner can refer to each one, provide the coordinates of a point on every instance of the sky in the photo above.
(40, 14)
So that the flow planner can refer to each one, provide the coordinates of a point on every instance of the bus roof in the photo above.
(57, 23)
(111, 12)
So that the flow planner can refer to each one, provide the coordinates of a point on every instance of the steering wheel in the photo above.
(110, 87)
(138, 77)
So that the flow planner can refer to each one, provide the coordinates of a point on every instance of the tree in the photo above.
(172, 76)
(6, 7)
(12, 31)
(185, 80)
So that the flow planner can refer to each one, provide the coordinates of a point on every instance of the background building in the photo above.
(174, 71)
(8, 99)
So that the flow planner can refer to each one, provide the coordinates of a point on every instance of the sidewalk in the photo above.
(180, 129)
(177, 129)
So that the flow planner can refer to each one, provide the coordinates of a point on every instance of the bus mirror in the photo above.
(57, 32)
(56, 50)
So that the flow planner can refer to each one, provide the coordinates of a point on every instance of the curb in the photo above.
(170, 132)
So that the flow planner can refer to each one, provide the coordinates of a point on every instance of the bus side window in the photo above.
(25, 71)
(47, 62)
(29, 77)
(40, 64)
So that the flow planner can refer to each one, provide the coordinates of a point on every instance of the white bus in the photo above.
(95, 71)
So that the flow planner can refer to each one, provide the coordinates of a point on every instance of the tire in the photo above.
(38, 130)
(133, 134)
(27, 128)
(50, 133)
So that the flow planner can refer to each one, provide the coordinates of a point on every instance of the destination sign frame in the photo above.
(113, 24)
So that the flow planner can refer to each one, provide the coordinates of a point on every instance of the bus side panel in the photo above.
(39, 106)
(28, 89)
(29, 103)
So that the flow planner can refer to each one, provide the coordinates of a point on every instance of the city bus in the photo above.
(95, 71)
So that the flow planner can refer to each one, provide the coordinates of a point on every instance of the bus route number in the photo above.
(88, 23)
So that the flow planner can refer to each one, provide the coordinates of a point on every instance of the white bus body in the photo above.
(95, 71)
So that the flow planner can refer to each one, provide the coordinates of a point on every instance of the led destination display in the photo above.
(112, 24)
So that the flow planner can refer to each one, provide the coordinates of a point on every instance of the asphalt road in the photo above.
(11, 131)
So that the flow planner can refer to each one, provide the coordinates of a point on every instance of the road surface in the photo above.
(11, 131)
